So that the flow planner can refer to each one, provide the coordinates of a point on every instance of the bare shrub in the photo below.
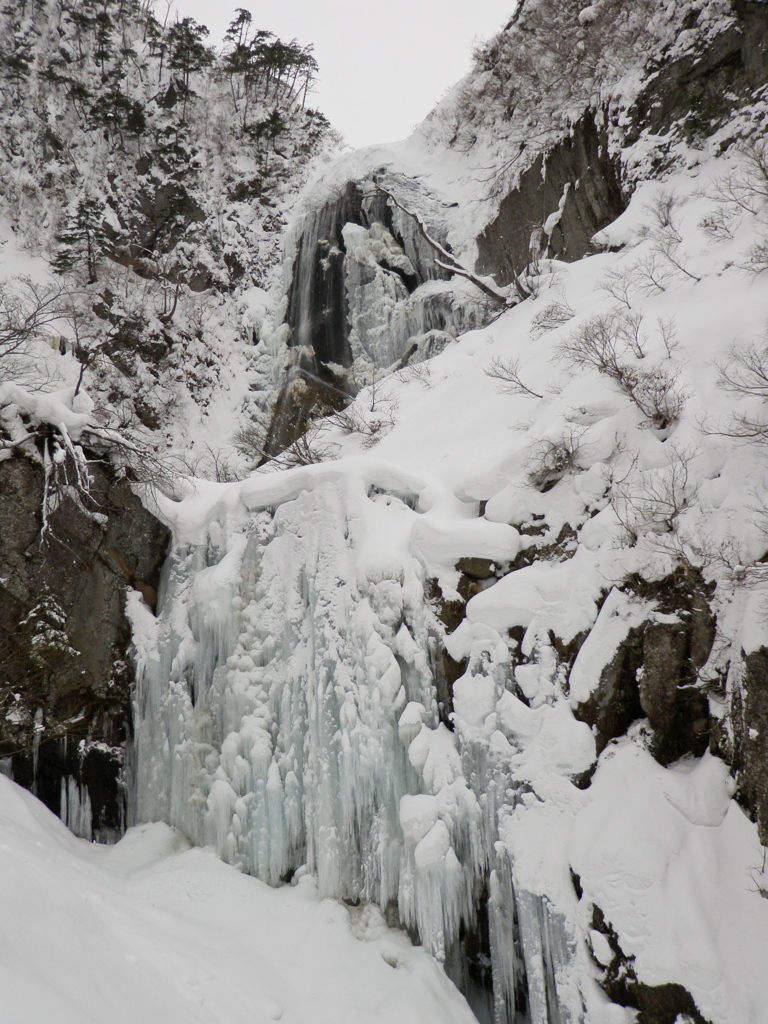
(720, 223)
(507, 372)
(26, 309)
(663, 207)
(250, 439)
(663, 263)
(756, 257)
(595, 343)
(212, 464)
(619, 283)
(656, 392)
(746, 187)
(551, 458)
(667, 326)
(759, 876)
(603, 341)
(666, 247)
(628, 328)
(745, 372)
(421, 372)
(653, 500)
(652, 273)
(552, 316)
(371, 425)
(307, 450)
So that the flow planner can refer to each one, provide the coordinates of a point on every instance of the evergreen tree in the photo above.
(188, 52)
(45, 637)
(239, 28)
(83, 240)
(115, 111)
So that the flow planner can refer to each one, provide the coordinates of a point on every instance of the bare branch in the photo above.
(508, 372)
(26, 308)
(251, 440)
(746, 371)
(668, 330)
(653, 499)
(551, 458)
(449, 262)
(552, 316)
(602, 343)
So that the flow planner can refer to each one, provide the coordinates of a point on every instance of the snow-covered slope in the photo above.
(157, 931)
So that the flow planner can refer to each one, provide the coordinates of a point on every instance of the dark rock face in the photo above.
(65, 674)
(753, 14)
(615, 704)
(697, 92)
(744, 744)
(654, 672)
(701, 90)
(580, 167)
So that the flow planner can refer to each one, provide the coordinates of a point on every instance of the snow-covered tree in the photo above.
(83, 240)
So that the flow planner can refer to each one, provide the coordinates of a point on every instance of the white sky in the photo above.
(382, 66)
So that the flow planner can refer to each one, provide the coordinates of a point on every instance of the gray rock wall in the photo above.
(65, 672)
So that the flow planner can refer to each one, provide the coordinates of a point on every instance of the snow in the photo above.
(562, 597)
(164, 932)
(618, 615)
(650, 847)
(65, 410)
(287, 714)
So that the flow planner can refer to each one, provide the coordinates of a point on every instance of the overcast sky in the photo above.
(383, 66)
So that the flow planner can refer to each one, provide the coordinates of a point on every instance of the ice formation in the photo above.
(286, 712)
(363, 285)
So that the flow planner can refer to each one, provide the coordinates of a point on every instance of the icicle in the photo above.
(76, 812)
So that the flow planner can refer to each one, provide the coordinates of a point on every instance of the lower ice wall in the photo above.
(286, 715)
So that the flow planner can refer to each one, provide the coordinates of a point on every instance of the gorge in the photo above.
(450, 606)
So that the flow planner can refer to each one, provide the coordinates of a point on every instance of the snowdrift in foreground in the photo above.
(153, 930)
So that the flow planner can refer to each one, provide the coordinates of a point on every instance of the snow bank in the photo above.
(165, 932)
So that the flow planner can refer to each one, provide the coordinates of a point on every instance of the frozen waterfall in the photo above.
(286, 715)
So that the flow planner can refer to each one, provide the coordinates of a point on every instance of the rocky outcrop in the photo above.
(65, 672)
(578, 177)
(654, 672)
(753, 776)
(700, 91)
(579, 185)
(742, 737)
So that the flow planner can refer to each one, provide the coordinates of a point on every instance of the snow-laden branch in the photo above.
(448, 261)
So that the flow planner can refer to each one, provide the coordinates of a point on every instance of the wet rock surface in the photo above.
(65, 671)
(743, 738)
